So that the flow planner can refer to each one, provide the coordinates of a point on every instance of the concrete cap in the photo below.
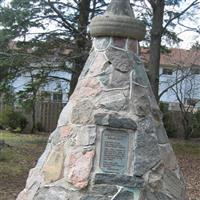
(118, 21)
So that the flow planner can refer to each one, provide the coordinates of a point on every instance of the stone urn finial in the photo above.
(118, 21)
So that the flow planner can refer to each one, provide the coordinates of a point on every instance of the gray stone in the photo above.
(140, 73)
(124, 195)
(119, 42)
(173, 185)
(156, 114)
(52, 193)
(88, 63)
(106, 190)
(155, 196)
(146, 153)
(119, 79)
(106, 74)
(133, 46)
(120, 60)
(113, 101)
(82, 112)
(44, 156)
(142, 106)
(115, 120)
(102, 43)
(65, 116)
(146, 124)
(94, 197)
(168, 156)
(85, 135)
(137, 91)
(119, 179)
(101, 119)
(161, 134)
(54, 137)
(154, 177)
(104, 78)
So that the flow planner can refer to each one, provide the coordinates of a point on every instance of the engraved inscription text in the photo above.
(114, 151)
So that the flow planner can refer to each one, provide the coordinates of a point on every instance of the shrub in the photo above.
(39, 127)
(167, 120)
(169, 125)
(196, 124)
(164, 107)
(10, 119)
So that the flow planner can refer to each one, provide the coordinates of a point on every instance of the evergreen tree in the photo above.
(63, 25)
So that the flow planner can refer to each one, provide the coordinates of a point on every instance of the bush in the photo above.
(196, 124)
(167, 120)
(39, 127)
(10, 119)
(164, 107)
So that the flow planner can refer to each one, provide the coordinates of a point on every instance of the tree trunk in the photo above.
(33, 129)
(187, 126)
(155, 43)
(33, 119)
(79, 63)
(82, 44)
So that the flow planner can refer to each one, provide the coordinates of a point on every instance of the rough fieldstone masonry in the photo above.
(110, 143)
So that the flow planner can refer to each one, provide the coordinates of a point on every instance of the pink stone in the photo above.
(133, 46)
(79, 168)
(65, 131)
(52, 170)
(97, 66)
(22, 195)
(87, 87)
(119, 42)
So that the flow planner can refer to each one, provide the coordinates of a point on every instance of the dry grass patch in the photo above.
(188, 154)
(16, 160)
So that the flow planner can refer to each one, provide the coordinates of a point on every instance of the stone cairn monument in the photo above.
(110, 143)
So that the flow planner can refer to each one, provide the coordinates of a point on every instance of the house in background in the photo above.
(52, 94)
(56, 88)
(54, 91)
(179, 77)
(179, 80)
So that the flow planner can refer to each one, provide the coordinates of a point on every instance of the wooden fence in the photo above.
(47, 114)
(1, 106)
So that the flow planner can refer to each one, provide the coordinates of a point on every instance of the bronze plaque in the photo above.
(114, 151)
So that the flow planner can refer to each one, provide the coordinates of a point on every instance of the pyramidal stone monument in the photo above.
(110, 143)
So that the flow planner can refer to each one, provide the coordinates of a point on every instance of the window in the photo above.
(45, 96)
(192, 102)
(57, 97)
(167, 71)
(195, 71)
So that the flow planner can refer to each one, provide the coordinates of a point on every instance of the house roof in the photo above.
(176, 57)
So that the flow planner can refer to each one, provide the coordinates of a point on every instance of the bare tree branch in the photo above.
(58, 77)
(180, 14)
(172, 85)
(153, 3)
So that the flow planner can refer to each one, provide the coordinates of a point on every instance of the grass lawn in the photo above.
(16, 160)
(24, 150)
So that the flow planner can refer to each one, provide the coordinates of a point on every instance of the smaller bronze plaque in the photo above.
(114, 151)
